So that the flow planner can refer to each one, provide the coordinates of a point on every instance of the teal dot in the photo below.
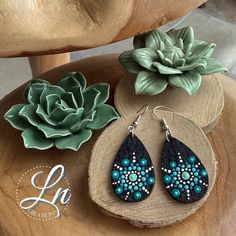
(125, 189)
(135, 187)
(180, 186)
(122, 176)
(151, 180)
(125, 185)
(129, 168)
(125, 162)
(143, 162)
(195, 180)
(203, 173)
(185, 175)
(186, 186)
(194, 169)
(140, 184)
(177, 182)
(139, 168)
(175, 173)
(175, 193)
(119, 190)
(142, 173)
(115, 174)
(123, 181)
(192, 184)
(143, 179)
(174, 178)
(133, 177)
(188, 166)
(192, 159)
(166, 179)
(130, 187)
(177, 169)
(137, 196)
(125, 171)
(197, 189)
(183, 166)
(172, 164)
(146, 175)
(134, 167)
(195, 173)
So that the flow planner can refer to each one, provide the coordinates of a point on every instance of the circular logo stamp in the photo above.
(43, 193)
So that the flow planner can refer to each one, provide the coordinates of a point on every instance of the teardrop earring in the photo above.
(132, 175)
(183, 174)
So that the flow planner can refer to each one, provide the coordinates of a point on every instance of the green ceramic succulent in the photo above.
(174, 58)
(62, 115)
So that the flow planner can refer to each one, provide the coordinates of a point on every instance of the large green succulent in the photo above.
(173, 58)
(63, 115)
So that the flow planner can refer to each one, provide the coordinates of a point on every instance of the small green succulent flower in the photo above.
(173, 58)
(62, 115)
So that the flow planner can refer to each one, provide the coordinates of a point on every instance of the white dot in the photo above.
(169, 171)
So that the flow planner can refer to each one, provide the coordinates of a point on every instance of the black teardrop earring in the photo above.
(132, 175)
(183, 174)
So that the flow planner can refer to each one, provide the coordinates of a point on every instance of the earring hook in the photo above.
(163, 121)
(136, 121)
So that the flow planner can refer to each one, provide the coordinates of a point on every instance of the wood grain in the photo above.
(215, 218)
(204, 107)
(38, 27)
(159, 209)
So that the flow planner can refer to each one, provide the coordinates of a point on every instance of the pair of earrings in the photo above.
(183, 174)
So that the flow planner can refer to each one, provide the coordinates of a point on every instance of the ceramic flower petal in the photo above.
(189, 81)
(68, 97)
(150, 83)
(53, 132)
(103, 89)
(33, 138)
(165, 70)
(91, 97)
(100, 120)
(145, 57)
(28, 112)
(74, 141)
(14, 119)
(128, 63)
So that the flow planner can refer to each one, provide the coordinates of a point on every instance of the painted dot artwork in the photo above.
(132, 175)
(183, 174)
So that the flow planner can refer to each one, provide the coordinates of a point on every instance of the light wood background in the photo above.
(215, 218)
(39, 27)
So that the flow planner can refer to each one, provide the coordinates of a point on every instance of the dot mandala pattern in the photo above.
(185, 178)
(132, 175)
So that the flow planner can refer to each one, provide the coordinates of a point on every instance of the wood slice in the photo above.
(215, 217)
(159, 209)
(37, 27)
(204, 108)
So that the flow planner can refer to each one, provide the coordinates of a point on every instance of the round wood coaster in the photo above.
(204, 108)
(159, 208)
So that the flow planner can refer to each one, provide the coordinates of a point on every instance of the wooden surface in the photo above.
(204, 107)
(37, 27)
(159, 209)
(41, 64)
(215, 218)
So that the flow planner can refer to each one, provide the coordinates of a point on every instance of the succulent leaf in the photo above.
(91, 97)
(189, 81)
(53, 132)
(103, 89)
(150, 83)
(169, 57)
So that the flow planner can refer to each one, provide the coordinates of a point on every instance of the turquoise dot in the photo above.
(192, 184)
(174, 173)
(186, 186)
(175, 193)
(183, 166)
(146, 175)
(197, 189)
(195, 173)
(123, 181)
(142, 173)
(185, 175)
(131, 190)
(145, 184)
(133, 177)
(166, 179)
(132, 164)
(194, 169)
(129, 168)
(139, 168)
(119, 190)
(135, 187)
(151, 180)
(125, 189)
(174, 178)
(137, 196)
(121, 184)
(188, 166)
(130, 187)
(180, 186)
(125, 162)
(143, 162)
(177, 182)
(115, 174)
(134, 167)
(143, 179)
(172, 164)
(192, 159)
(125, 185)
(203, 173)
(177, 169)
(125, 171)
(122, 176)
(140, 184)
(195, 180)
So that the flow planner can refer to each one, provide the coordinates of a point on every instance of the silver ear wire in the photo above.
(163, 121)
(135, 123)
